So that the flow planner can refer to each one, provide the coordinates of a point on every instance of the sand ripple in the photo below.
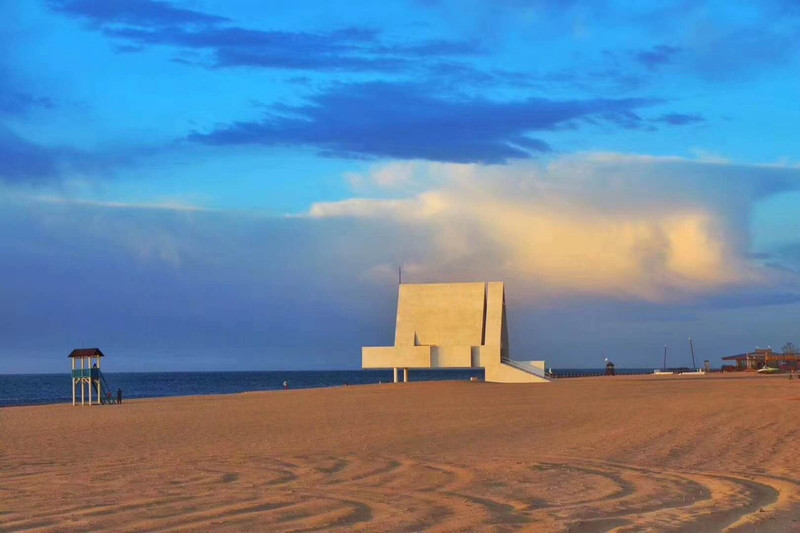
(356, 493)
(572, 456)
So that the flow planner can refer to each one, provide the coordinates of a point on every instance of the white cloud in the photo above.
(421, 207)
(167, 205)
(630, 227)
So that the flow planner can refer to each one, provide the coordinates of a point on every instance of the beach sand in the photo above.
(625, 453)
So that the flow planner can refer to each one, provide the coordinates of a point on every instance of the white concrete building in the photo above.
(453, 325)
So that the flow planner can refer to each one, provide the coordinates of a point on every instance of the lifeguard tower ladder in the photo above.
(89, 377)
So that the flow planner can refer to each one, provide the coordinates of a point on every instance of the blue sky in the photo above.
(198, 185)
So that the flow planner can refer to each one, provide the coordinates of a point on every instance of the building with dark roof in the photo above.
(86, 352)
(761, 358)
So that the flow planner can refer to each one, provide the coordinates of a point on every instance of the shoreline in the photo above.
(67, 399)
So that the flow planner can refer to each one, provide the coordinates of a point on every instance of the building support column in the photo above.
(83, 392)
(395, 375)
(90, 387)
(405, 375)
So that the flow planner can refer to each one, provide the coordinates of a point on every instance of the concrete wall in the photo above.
(443, 314)
(478, 356)
(396, 356)
(451, 356)
(490, 355)
(494, 314)
(452, 325)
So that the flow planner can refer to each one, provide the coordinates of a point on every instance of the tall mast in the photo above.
(691, 347)
(665, 357)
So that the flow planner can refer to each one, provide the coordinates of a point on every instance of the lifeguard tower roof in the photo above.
(86, 352)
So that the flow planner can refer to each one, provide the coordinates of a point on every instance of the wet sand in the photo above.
(646, 453)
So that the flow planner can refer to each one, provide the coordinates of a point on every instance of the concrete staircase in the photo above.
(528, 369)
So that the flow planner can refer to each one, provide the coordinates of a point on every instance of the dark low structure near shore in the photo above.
(761, 358)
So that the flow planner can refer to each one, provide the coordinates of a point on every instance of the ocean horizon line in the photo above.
(54, 388)
(69, 370)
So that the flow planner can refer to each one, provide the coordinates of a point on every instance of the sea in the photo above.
(39, 389)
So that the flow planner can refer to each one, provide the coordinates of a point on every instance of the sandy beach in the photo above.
(646, 453)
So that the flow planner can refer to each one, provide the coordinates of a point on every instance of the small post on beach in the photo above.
(83, 384)
(73, 382)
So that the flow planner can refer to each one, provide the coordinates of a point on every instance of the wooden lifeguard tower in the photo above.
(88, 375)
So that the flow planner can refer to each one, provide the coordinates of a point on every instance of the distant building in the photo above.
(453, 325)
(761, 358)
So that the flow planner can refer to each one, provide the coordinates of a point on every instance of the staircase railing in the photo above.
(525, 368)
(106, 398)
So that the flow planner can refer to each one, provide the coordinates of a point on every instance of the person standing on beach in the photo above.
(119, 396)
(285, 385)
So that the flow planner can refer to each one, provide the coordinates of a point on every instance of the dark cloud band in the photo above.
(408, 122)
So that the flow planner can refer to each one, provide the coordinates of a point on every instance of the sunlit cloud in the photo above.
(619, 226)
(610, 237)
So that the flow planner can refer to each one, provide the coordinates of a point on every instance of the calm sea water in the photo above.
(34, 389)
